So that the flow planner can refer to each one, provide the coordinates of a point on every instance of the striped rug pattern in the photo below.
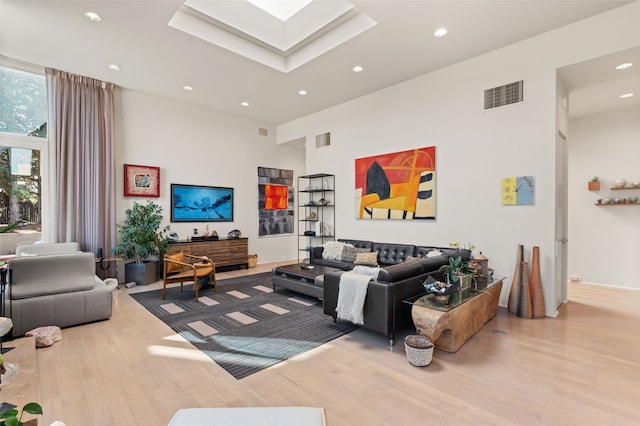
(244, 326)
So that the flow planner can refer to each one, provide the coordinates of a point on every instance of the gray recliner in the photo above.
(54, 284)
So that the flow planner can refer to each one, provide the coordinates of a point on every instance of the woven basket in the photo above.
(419, 350)
(252, 259)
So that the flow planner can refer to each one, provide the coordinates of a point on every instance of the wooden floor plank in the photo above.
(582, 367)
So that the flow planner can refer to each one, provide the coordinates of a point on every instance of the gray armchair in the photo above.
(54, 284)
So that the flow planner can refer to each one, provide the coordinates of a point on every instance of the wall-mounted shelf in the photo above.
(623, 201)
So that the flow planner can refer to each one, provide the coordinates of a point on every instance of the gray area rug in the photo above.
(244, 326)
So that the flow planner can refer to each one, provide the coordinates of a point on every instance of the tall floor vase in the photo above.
(524, 302)
(535, 285)
(514, 295)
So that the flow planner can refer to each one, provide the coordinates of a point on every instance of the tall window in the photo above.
(23, 148)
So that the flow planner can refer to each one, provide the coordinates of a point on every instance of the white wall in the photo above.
(474, 149)
(604, 242)
(198, 146)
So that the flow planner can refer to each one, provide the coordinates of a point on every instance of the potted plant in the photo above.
(141, 238)
(11, 417)
(458, 273)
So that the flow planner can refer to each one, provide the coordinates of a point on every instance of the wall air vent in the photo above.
(511, 93)
(323, 140)
(263, 132)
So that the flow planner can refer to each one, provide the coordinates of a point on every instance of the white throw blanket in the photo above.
(351, 295)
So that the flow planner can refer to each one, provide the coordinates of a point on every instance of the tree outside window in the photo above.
(22, 121)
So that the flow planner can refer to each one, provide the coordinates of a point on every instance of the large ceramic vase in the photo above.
(524, 302)
(514, 294)
(535, 285)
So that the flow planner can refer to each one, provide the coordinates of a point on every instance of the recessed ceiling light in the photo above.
(114, 67)
(624, 66)
(244, 104)
(357, 68)
(627, 95)
(92, 16)
(440, 32)
(187, 88)
(302, 92)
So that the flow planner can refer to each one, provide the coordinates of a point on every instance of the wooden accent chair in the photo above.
(182, 267)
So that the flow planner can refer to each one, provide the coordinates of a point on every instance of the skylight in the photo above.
(281, 9)
(310, 29)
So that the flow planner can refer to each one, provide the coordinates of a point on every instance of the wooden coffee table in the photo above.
(450, 327)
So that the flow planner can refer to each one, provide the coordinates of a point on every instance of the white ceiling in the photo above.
(158, 59)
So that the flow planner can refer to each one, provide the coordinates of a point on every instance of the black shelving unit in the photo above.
(316, 212)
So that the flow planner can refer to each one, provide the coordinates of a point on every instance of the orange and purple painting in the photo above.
(400, 185)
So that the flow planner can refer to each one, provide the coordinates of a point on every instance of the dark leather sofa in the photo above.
(398, 279)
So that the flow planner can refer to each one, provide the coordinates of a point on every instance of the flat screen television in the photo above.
(197, 203)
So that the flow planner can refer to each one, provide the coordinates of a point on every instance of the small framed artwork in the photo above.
(141, 181)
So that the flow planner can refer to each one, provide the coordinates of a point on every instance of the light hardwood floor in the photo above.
(582, 368)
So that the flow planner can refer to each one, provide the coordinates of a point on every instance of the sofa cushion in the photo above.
(358, 243)
(424, 251)
(50, 275)
(178, 257)
(391, 254)
(345, 266)
(332, 250)
(368, 258)
(349, 253)
(457, 252)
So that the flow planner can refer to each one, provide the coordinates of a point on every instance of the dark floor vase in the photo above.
(142, 273)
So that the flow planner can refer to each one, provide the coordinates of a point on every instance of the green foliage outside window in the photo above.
(23, 103)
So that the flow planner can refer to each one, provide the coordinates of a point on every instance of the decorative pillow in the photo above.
(332, 250)
(179, 257)
(369, 259)
(411, 259)
(434, 253)
(349, 253)
(45, 336)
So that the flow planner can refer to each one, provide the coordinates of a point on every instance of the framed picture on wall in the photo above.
(200, 203)
(141, 181)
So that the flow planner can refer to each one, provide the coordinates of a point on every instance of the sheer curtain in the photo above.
(81, 136)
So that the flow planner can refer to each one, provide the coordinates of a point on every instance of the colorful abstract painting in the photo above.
(518, 190)
(401, 185)
(275, 201)
(276, 197)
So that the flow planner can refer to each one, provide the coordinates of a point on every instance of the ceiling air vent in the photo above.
(511, 93)
(323, 140)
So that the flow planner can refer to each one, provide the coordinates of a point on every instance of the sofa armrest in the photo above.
(315, 253)
(330, 292)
